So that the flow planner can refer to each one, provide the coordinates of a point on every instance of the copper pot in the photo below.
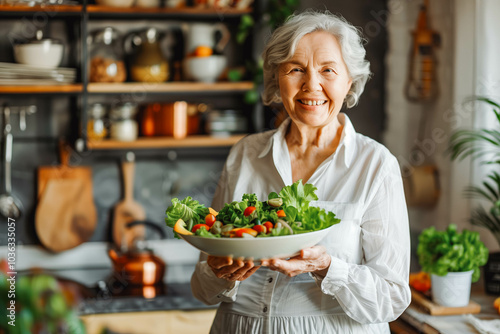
(139, 265)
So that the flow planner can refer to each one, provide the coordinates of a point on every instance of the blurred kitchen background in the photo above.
(127, 67)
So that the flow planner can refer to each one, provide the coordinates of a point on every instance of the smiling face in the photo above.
(315, 81)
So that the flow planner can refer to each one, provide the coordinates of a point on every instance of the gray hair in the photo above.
(284, 40)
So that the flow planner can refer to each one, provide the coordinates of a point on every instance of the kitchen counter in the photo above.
(175, 296)
(105, 292)
(108, 302)
(414, 320)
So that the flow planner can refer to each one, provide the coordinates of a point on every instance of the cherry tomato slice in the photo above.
(249, 210)
(260, 228)
(198, 226)
(210, 219)
(281, 213)
(269, 226)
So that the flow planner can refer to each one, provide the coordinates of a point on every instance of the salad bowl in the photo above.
(257, 248)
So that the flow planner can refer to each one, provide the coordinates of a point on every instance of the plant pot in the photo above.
(492, 274)
(453, 289)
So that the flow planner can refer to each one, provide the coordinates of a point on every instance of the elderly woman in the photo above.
(356, 280)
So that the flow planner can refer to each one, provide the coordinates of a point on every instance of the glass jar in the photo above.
(148, 63)
(96, 128)
(123, 124)
(106, 60)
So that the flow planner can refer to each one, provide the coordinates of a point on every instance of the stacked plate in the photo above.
(19, 74)
(39, 2)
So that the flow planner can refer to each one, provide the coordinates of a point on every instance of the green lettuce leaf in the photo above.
(189, 210)
(298, 195)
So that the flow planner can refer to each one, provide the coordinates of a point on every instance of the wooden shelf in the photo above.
(41, 8)
(169, 87)
(96, 9)
(166, 142)
(41, 89)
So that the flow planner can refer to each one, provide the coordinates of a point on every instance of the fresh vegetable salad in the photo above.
(281, 214)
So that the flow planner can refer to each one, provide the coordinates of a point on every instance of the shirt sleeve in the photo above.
(205, 286)
(377, 290)
(210, 289)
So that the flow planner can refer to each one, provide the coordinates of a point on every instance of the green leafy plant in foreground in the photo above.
(478, 144)
(441, 252)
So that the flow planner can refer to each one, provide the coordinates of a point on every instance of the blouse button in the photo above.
(265, 309)
(270, 279)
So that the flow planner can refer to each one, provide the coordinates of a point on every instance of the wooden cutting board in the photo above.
(425, 303)
(66, 215)
(127, 210)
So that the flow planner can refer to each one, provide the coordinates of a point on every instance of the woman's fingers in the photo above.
(312, 252)
(309, 260)
(217, 262)
(244, 272)
(231, 269)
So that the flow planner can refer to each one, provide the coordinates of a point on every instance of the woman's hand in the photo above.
(314, 259)
(231, 269)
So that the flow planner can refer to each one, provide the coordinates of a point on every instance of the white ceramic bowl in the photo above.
(257, 248)
(116, 3)
(205, 69)
(47, 55)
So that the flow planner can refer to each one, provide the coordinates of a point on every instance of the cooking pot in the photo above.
(40, 52)
(139, 265)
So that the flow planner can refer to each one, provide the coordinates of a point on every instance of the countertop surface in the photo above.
(104, 291)
(175, 296)
(453, 324)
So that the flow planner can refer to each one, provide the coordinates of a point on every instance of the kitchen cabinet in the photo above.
(78, 20)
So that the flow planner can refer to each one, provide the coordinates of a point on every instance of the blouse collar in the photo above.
(347, 141)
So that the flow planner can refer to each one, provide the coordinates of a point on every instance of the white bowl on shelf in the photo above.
(44, 53)
(116, 3)
(205, 69)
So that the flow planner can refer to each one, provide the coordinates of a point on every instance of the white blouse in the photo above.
(367, 282)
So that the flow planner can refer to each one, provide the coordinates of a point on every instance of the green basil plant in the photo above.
(441, 252)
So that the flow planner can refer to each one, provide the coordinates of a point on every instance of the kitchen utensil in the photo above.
(127, 210)
(257, 248)
(205, 69)
(40, 52)
(425, 303)
(203, 34)
(422, 85)
(148, 62)
(10, 206)
(66, 215)
(139, 265)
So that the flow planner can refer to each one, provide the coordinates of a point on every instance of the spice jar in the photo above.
(96, 129)
(106, 63)
(123, 124)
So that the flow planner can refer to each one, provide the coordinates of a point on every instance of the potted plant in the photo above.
(453, 260)
(479, 144)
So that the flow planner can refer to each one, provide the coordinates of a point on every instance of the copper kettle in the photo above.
(139, 265)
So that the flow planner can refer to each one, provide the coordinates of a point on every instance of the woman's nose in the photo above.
(311, 83)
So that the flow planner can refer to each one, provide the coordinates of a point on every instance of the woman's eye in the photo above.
(296, 70)
(329, 70)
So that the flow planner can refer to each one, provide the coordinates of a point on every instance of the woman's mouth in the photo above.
(312, 102)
